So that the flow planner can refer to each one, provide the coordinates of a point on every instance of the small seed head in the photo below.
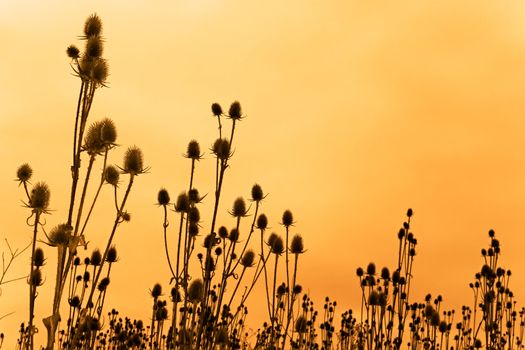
(221, 149)
(183, 203)
(36, 278)
(38, 258)
(156, 291)
(223, 232)
(24, 173)
(112, 255)
(163, 197)
(234, 235)
(216, 109)
(134, 161)
(287, 218)
(272, 238)
(235, 111)
(60, 234)
(301, 325)
(111, 175)
(73, 52)
(39, 199)
(96, 257)
(99, 71)
(94, 47)
(297, 246)
(239, 208)
(93, 26)
(262, 222)
(248, 258)
(257, 193)
(193, 151)
(194, 215)
(196, 290)
(277, 246)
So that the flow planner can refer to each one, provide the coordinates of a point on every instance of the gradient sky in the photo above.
(356, 110)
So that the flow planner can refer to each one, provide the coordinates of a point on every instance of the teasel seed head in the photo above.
(183, 203)
(196, 290)
(38, 258)
(297, 246)
(163, 197)
(234, 235)
(193, 151)
(287, 218)
(262, 222)
(99, 71)
(278, 246)
(371, 269)
(36, 278)
(126, 217)
(257, 193)
(193, 229)
(410, 212)
(76, 261)
(194, 196)
(156, 291)
(235, 111)
(75, 301)
(94, 47)
(194, 215)
(112, 256)
(239, 208)
(24, 173)
(271, 239)
(111, 175)
(297, 289)
(216, 109)
(223, 232)
(96, 257)
(103, 284)
(359, 272)
(221, 149)
(93, 26)
(73, 52)
(39, 199)
(134, 161)
(60, 234)
(385, 273)
(248, 258)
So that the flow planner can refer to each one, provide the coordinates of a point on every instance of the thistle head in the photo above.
(239, 208)
(216, 109)
(297, 246)
(223, 232)
(262, 222)
(39, 198)
(134, 161)
(301, 325)
(112, 255)
(94, 47)
(248, 258)
(287, 218)
(163, 197)
(221, 149)
(93, 26)
(257, 193)
(193, 151)
(196, 290)
(235, 111)
(99, 71)
(111, 175)
(96, 257)
(24, 173)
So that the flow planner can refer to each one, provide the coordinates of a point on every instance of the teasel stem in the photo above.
(273, 295)
(177, 277)
(165, 227)
(118, 218)
(265, 273)
(290, 308)
(32, 287)
(84, 191)
(287, 269)
(97, 193)
(252, 228)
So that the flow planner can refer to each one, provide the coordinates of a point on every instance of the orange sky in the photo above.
(356, 110)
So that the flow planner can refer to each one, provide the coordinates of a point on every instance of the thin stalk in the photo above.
(32, 288)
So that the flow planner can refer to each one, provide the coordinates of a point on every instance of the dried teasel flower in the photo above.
(196, 290)
(156, 291)
(93, 26)
(271, 239)
(234, 235)
(257, 193)
(163, 197)
(371, 269)
(262, 222)
(73, 52)
(235, 111)
(99, 71)
(36, 278)
(221, 149)
(193, 151)
(94, 47)
(112, 257)
(39, 199)
(134, 161)
(111, 175)
(248, 258)
(38, 258)
(24, 173)
(183, 203)
(96, 257)
(297, 246)
(194, 215)
(223, 232)
(278, 246)
(239, 208)
(193, 229)
(216, 109)
(287, 218)
(60, 234)
(194, 196)
(103, 284)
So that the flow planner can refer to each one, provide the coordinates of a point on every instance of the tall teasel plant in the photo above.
(214, 316)
(90, 142)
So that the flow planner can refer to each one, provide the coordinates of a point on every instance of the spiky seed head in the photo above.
(235, 111)
(359, 272)
(196, 290)
(239, 208)
(216, 109)
(112, 256)
(133, 161)
(385, 273)
(60, 234)
(271, 239)
(281, 289)
(86, 276)
(194, 215)
(39, 199)
(287, 218)
(92, 142)
(76, 261)
(277, 246)
(193, 196)
(248, 258)
(111, 175)
(75, 301)
(221, 149)
(96, 257)
(297, 289)
(103, 284)
(262, 222)
(193, 151)
(87, 260)
(234, 235)
(38, 258)
(300, 325)
(73, 52)
(371, 269)
(24, 173)
(36, 278)
(94, 47)
(410, 212)
(257, 193)
(223, 232)
(99, 71)
(156, 291)
(183, 203)
(193, 229)
(93, 26)
(297, 246)
(126, 217)
(163, 197)
(108, 131)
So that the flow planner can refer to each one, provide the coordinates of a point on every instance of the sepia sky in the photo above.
(355, 111)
